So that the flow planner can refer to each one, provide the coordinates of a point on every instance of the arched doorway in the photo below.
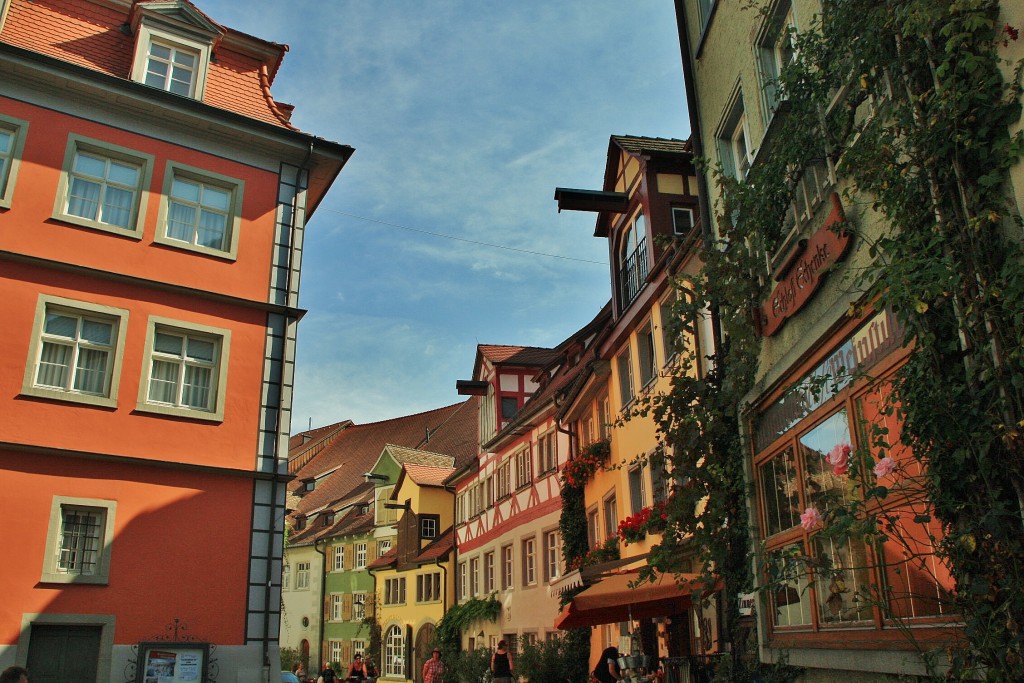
(304, 656)
(424, 645)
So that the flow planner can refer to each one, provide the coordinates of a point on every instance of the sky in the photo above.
(442, 232)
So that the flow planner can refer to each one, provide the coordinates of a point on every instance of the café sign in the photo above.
(804, 271)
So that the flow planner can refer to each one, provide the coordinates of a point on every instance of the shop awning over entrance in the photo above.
(611, 600)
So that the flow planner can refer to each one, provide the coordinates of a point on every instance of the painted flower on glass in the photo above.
(839, 458)
(810, 519)
(885, 467)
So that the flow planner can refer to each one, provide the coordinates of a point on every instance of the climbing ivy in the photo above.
(910, 103)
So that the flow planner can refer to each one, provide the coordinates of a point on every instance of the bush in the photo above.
(562, 660)
(467, 666)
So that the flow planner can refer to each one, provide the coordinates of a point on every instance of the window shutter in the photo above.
(346, 654)
(408, 654)
(346, 607)
(371, 601)
(371, 551)
(349, 553)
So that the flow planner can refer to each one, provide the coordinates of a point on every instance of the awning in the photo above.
(611, 600)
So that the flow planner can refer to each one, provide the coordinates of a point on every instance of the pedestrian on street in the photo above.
(607, 668)
(433, 668)
(327, 675)
(501, 664)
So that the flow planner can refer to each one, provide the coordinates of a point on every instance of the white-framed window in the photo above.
(339, 558)
(394, 591)
(12, 144)
(301, 576)
(524, 468)
(775, 51)
(552, 555)
(361, 555)
(460, 508)
(172, 48)
(503, 477)
(637, 488)
(76, 351)
(507, 567)
(646, 354)
(682, 221)
(336, 601)
(428, 587)
(201, 211)
(462, 581)
(358, 606)
(103, 186)
(383, 546)
(334, 648)
(428, 526)
(359, 648)
(734, 149)
(547, 451)
(594, 527)
(394, 651)
(611, 514)
(187, 367)
(474, 576)
(489, 573)
(604, 415)
(625, 369)
(78, 540)
(529, 561)
(286, 576)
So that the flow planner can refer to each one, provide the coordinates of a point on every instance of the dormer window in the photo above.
(172, 68)
(173, 45)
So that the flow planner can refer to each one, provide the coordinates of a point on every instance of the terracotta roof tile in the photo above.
(517, 355)
(638, 144)
(89, 34)
(425, 475)
(417, 456)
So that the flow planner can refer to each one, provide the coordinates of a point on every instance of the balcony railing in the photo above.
(632, 274)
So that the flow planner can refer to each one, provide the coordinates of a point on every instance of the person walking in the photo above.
(607, 668)
(327, 675)
(433, 668)
(501, 664)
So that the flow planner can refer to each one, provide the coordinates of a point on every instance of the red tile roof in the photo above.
(517, 355)
(452, 431)
(89, 34)
(425, 475)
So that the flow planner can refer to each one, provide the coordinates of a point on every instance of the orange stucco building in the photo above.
(153, 198)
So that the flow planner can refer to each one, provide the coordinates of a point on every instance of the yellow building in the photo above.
(413, 581)
(647, 210)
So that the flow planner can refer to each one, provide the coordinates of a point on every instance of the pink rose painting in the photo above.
(839, 458)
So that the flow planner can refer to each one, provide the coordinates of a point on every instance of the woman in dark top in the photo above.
(501, 663)
(607, 668)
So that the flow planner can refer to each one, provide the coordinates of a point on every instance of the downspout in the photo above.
(455, 550)
(322, 606)
(444, 586)
(278, 478)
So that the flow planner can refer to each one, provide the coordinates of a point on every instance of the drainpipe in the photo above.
(323, 597)
(444, 585)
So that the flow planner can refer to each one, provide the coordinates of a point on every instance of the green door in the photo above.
(64, 654)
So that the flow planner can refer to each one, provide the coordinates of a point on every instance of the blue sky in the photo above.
(465, 116)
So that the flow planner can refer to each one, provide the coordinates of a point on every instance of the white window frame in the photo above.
(336, 599)
(233, 216)
(151, 27)
(474, 577)
(394, 591)
(552, 555)
(358, 648)
(286, 575)
(383, 546)
(462, 581)
(302, 576)
(118, 317)
(360, 550)
(529, 546)
(489, 572)
(52, 573)
(624, 369)
(219, 377)
(78, 144)
(647, 355)
(393, 643)
(339, 558)
(10, 160)
(429, 526)
(508, 567)
(358, 606)
(524, 467)
(735, 146)
(773, 43)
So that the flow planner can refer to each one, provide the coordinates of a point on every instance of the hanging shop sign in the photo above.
(805, 269)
